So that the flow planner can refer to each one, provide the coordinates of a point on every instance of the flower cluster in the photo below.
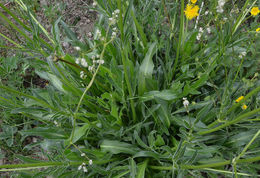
(220, 6)
(242, 54)
(98, 34)
(191, 11)
(113, 19)
(199, 34)
(83, 166)
(114, 30)
(82, 61)
(239, 99)
(255, 11)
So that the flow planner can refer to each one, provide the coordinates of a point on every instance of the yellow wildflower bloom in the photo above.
(257, 30)
(239, 99)
(191, 11)
(193, 1)
(244, 106)
(255, 11)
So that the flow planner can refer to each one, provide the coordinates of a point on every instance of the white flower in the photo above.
(84, 62)
(117, 11)
(200, 29)
(85, 169)
(240, 56)
(112, 21)
(90, 68)
(198, 36)
(243, 53)
(97, 56)
(185, 102)
(206, 12)
(113, 34)
(90, 162)
(100, 61)
(98, 32)
(94, 4)
(80, 167)
(83, 154)
(220, 6)
(208, 30)
(78, 60)
(77, 48)
(114, 29)
(82, 75)
(56, 123)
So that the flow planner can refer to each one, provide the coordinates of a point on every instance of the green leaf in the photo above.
(141, 169)
(79, 132)
(49, 133)
(71, 35)
(140, 29)
(146, 68)
(132, 168)
(116, 147)
(147, 154)
(167, 95)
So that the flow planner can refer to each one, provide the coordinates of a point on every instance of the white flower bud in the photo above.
(78, 60)
(113, 34)
(208, 30)
(83, 154)
(243, 53)
(185, 102)
(85, 169)
(77, 48)
(84, 62)
(90, 162)
(117, 11)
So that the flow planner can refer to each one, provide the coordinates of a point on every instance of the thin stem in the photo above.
(180, 38)
(217, 164)
(243, 116)
(11, 167)
(243, 152)
(88, 87)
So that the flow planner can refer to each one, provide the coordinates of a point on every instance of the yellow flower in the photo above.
(193, 1)
(191, 11)
(239, 99)
(255, 11)
(257, 30)
(244, 106)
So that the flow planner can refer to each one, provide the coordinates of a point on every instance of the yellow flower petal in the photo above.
(257, 30)
(191, 11)
(239, 99)
(193, 1)
(255, 11)
(244, 106)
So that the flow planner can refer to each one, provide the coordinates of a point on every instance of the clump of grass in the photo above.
(160, 89)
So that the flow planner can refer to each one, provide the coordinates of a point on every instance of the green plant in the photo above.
(131, 115)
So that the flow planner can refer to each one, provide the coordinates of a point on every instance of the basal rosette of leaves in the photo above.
(141, 97)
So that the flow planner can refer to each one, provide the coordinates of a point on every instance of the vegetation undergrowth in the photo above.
(161, 89)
